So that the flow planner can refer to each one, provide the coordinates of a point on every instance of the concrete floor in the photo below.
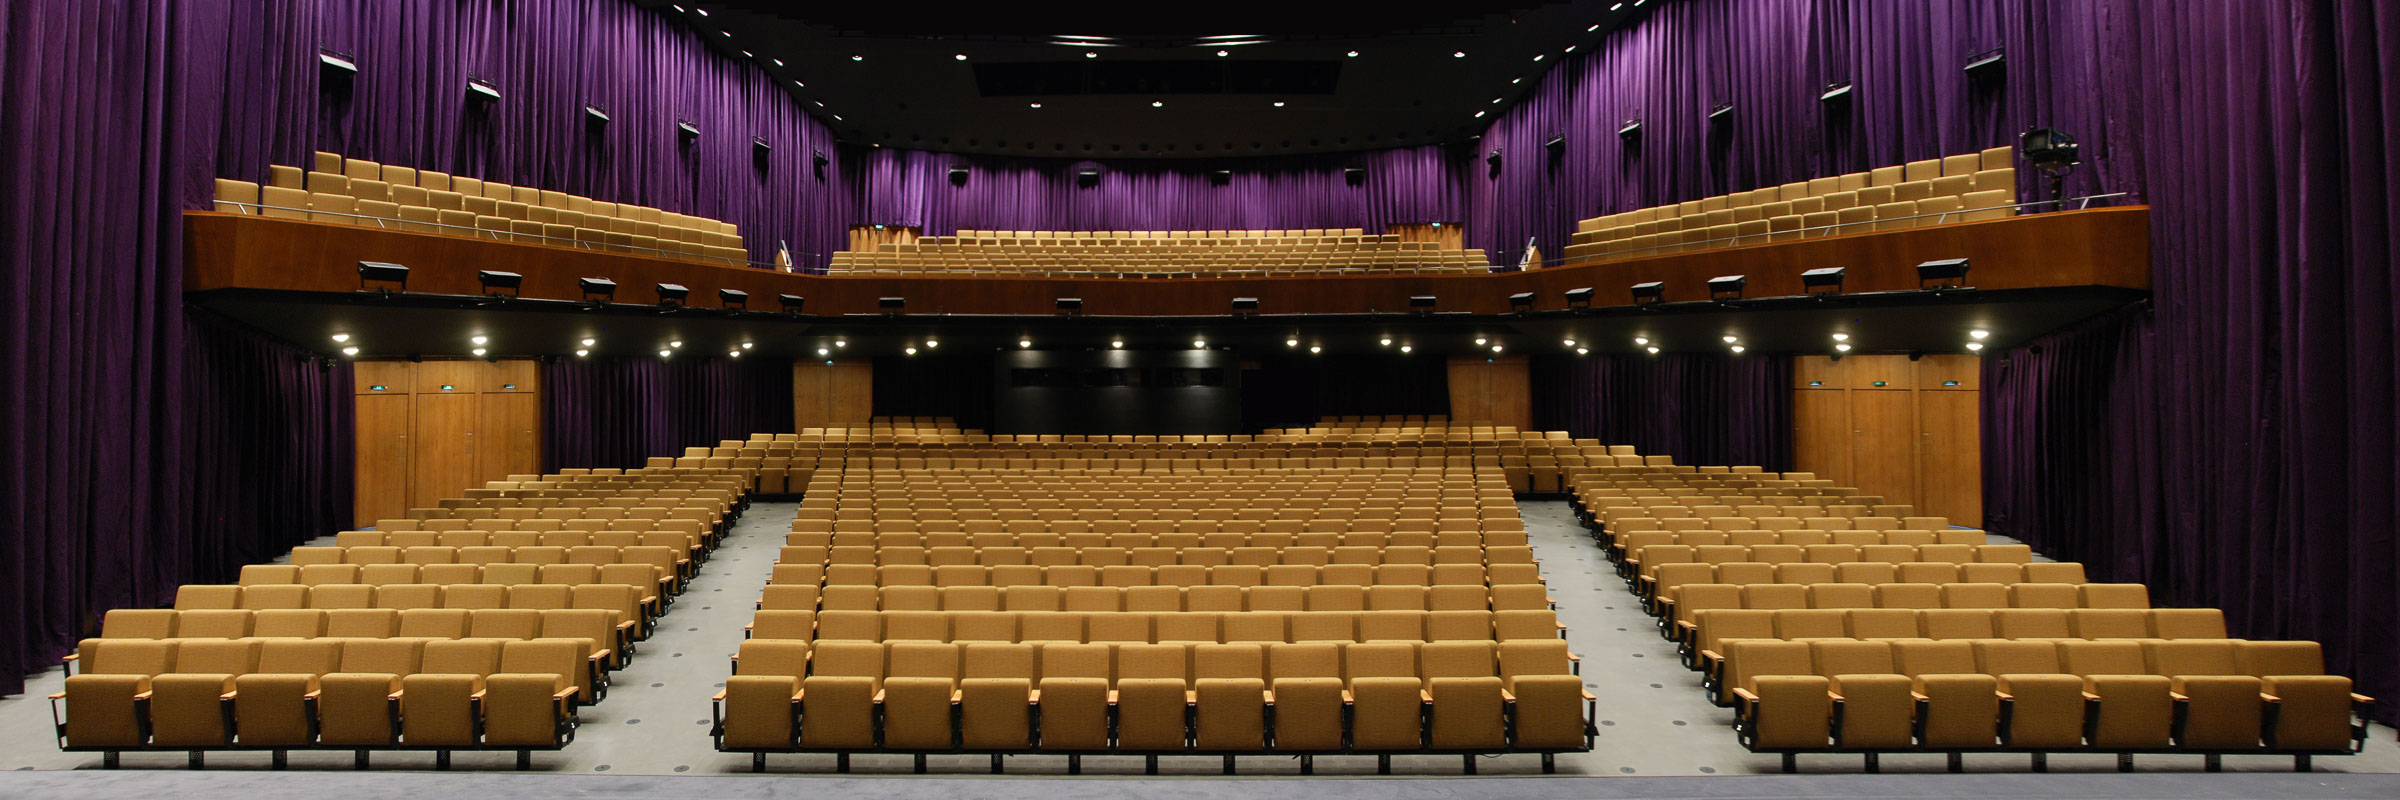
(1653, 720)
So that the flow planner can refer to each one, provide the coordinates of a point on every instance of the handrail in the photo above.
(1939, 217)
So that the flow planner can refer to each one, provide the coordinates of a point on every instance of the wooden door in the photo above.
(445, 448)
(1821, 433)
(1950, 450)
(1883, 455)
(381, 470)
(509, 439)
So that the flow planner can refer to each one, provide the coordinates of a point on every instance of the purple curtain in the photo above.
(908, 187)
(268, 443)
(1702, 408)
(2232, 448)
(255, 95)
(1298, 390)
(619, 412)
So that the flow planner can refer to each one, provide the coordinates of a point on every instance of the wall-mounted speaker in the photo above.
(1087, 178)
(1355, 175)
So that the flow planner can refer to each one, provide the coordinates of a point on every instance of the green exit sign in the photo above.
(377, 388)
(1949, 383)
(447, 387)
(508, 386)
(1816, 383)
(1878, 383)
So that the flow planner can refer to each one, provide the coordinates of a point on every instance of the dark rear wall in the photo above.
(1117, 391)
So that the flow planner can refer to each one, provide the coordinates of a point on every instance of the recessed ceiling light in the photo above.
(1315, 349)
(476, 351)
(479, 339)
(1199, 343)
(909, 350)
(1841, 337)
(1158, 104)
(733, 354)
(678, 8)
(727, 33)
(1278, 104)
(933, 342)
(1641, 340)
(1596, 26)
(1978, 333)
(349, 351)
(582, 352)
(1583, 351)
(841, 343)
(1570, 48)
(748, 54)
(1517, 80)
(1843, 348)
(837, 117)
(1293, 342)
(1408, 348)
(1480, 341)
(590, 342)
(1118, 344)
(1091, 55)
(1974, 345)
(1738, 348)
(822, 351)
(746, 345)
(340, 338)
(703, 11)
(1537, 56)
(1034, 105)
(1495, 100)
(1224, 53)
(676, 343)
(1653, 350)
(1024, 342)
(858, 58)
(1352, 54)
(1459, 54)
(1495, 348)
(1387, 341)
(961, 56)
(1479, 115)
(1731, 339)
(778, 61)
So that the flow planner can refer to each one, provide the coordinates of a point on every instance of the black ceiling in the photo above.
(885, 76)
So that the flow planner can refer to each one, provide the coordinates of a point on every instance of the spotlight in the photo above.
(734, 298)
(791, 303)
(479, 339)
(2052, 152)
(1245, 305)
(1521, 301)
(1024, 344)
(349, 351)
(382, 272)
(1824, 280)
(1313, 349)
(1579, 298)
(1069, 306)
(672, 294)
(495, 280)
(597, 290)
(891, 305)
(1292, 342)
(1423, 303)
(340, 338)
(1727, 287)
(1648, 293)
(1948, 273)
(1116, 344)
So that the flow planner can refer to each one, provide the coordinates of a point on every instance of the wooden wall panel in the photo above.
(449, 377)
(840, 393)
(1883, 437)
(396, 377)
(381, 471)
(508, 436)
(1950, 456)
(444, 454)
(1821, 432)
(1916, 439)
(1498, 390)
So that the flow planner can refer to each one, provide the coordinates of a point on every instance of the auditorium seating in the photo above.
(1960, 188)
(1141, 606)
(1161, 254)
(483, 623)
(1854, 626)
(350, 191)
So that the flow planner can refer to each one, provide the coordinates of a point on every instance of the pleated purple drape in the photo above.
(619, 412)
(907, 187)
(2231, 448)
(1703, 409)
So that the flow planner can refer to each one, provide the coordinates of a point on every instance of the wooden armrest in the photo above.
(720, 696)
(58, 695)
(1745, 695)
(2360, 698)
(2179, 697)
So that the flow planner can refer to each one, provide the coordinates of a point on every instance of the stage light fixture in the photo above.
(892, 305)
(792, 303)
(1069, 306)
(734, 299)
(1423, 303)
(1727, 287)
(495, 280)
(671, 295)
(382, 272)
(1650, 292)
(1245, 305)
(1823, 280)
(1579, 298)
(1521, 301)
(597, 290)
(1948, 273)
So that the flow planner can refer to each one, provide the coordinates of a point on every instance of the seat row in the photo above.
(2182, 696)
(512, 538)
(1154, 598)
(1309, 699)
(1704, 640)
(626, 599)
(1115, 627)
(1806, 537)
(1642, 568)
(1131, 541)
(931, 525)
(672, 561)
(1295, 575)
(611, 630)
(1785, 581)
(335, 694)
(1418, 555)
(326, 581)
